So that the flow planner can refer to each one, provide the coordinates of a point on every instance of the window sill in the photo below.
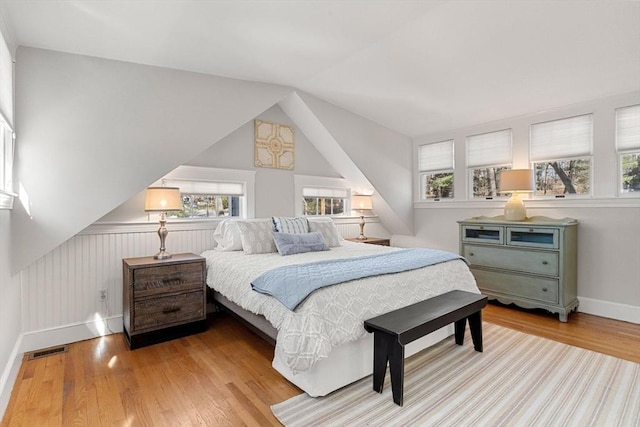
(6, 200)
(577, 202)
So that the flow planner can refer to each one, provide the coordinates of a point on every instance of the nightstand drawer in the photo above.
(537, 262)
(167, 278)
(161, 312)
(529, 287)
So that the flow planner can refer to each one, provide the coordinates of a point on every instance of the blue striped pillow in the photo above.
(298, 225)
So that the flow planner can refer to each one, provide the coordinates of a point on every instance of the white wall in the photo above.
(361, 148)
(274, 187)
(609, 231)
(10, 315)
(94, 132)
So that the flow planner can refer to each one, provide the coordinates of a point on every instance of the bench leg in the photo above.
(380, 358)
(459, 330)
(475, 325)
(396, 368)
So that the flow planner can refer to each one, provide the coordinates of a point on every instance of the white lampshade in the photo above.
(162, 199)
(517, 180)
(361, 202)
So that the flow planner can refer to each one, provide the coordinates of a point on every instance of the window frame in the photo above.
(589, 157)
(423, 173)
(346, 200)
(620, 153)
(199, 174)
(311, 181)
(471, 169)
(7, 150)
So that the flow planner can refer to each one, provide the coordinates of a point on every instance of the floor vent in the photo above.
(38, 354)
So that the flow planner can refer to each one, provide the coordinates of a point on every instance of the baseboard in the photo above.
(9, 375)
(611, 310)
(71, 333)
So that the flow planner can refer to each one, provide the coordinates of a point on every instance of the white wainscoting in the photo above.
(60, 291)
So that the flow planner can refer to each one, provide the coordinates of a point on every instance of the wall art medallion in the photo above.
(274, 145)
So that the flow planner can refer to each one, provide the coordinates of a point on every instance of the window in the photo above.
(628, 146)
(435, 167)
(561, 155)
(6, 131)
(488, 154)
(208, 199)
(324, 201)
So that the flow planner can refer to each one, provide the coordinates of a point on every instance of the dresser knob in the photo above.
(544, 289)
(531, 230)
(545, 262)
(470, 253)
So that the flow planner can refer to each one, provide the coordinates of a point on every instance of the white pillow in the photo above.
(257, 236)
(328, 229)
(227, 236)
(298, 225)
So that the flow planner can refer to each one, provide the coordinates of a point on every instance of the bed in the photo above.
(322, 346)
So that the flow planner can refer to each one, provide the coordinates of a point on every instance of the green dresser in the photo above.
(530, 263)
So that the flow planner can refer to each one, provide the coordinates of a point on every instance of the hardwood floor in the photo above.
(220, 377)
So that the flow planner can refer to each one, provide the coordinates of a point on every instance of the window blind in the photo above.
(628, 128)
(6, 82)
(561, 139)
(435, 157)
(215, 188)
(325, 192)
(493, 148)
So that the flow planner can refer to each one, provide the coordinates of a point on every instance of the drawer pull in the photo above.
(545, 262)
(470, 253)
(531, 230)
(544, 289)
(481, 228)
(168, 310)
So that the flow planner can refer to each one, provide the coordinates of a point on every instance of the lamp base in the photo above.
(361, 236)
(515, 210)
(162, 255)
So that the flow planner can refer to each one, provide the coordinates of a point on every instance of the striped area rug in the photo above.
(519, 380)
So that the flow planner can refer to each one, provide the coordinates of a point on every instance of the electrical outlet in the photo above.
(102, 295)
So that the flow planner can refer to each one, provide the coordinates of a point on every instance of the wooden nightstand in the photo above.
(163, 299)
(371, 240)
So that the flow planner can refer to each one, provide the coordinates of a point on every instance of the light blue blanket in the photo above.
(291, 284)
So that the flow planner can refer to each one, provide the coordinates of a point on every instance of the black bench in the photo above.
(393, 330)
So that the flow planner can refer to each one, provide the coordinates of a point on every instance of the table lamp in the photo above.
(361, 203)
(163, 199)
(516, 181)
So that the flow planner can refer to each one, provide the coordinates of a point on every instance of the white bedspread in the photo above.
(334, 315)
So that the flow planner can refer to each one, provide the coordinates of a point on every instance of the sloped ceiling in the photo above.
(415, 66)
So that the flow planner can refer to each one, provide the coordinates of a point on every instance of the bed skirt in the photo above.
(346, 364)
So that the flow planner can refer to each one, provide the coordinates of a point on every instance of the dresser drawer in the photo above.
(162, 279)
(161, 312)
(483, 234)
(529, 287)
(537, 262)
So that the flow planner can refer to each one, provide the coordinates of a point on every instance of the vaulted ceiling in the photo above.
(416, 67)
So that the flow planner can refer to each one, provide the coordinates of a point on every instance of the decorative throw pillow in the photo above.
(328, 230)
(257, 236)
(290, 243)
(227, 236)
(291, 225)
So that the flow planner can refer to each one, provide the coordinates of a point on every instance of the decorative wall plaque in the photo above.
(274, 145)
